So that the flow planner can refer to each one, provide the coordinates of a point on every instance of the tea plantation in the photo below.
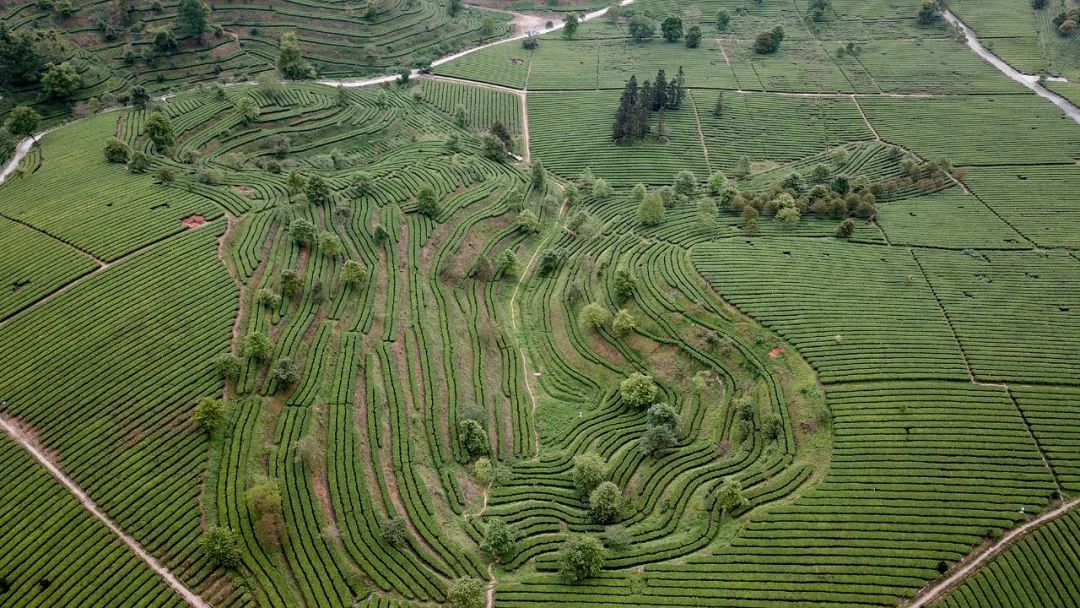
(692, 304)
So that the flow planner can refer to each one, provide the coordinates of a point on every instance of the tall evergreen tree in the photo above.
(678, 91)
(660, 92)
(621, 131)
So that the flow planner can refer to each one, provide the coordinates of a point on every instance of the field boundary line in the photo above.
(29, 226)
(1034, 439)
(701, 135)
(934, 590)
(89, 505)
(945, 314)
(865, 119)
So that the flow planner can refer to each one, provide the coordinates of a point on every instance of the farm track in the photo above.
(937, 589)
(87, 503)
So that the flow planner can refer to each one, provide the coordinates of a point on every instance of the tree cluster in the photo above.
(24, 53)
(637, 104)
(1066, 21)
(769, 41)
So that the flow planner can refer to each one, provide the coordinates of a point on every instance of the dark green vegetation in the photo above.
(803, 330)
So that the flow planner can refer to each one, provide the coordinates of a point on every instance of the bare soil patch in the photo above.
(193, 221)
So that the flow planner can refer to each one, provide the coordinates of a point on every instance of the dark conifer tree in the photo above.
(677, 91)
(622, 129)
(660, 92)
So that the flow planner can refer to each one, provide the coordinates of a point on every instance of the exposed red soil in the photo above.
(776, 352)
(193, 221)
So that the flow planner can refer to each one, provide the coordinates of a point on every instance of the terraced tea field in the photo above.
(801, 327)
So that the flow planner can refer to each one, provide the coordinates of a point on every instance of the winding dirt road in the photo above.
(166, 575)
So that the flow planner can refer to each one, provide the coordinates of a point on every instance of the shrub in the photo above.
(589, 471)
(221, 547)
(394, 531)
(116, 151)
(593, 316)
(209, 415)
(605, 502)
(580, 557)
(638, 390)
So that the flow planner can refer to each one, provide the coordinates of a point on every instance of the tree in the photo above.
(257, 347)
(729, 496)
(530, 42)
(662, 414)
(164, 40)
(492, 147)
(651, 209)
(769, 42)
(928, 12)
(228, 365)
(247, 109)
(454, 7)
(706, 213)
(601, 189)
(291, 283)
(788, 215)
(330, 244)
(24, 52)
(845, 229)
(290, 64)
(354, 273)
(164, 175)
(772, 427)
(473, 437)
(22, 121)
(159, 129)
(624, 284)
(550, 260)
(693, 37)
(139, 163)
(638, 390)
(221, 546)
(209, 414)
(60, 81)
(685, 183)
(194, 15)
(295, 182)
(317, 190)
(394, 531)
(672, 28)
(527, 221)
(427, 202)
(500, 540)
(267, 297)
(589, 470)
(302, 231)
(717, 182)
(580, 557)
(285, 372)
(723, 19)
(570, 25)
(536, 174)
(507, 262)
(116, 151)
(498, 129)
(819, 9)
(605, 502)
(593, 316)
(641, 28)
(264, 502)
(139, 97)
(656, 440)
(623, 323)
(466, 593)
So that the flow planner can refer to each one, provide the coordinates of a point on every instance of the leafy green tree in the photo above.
(427, 202)
(330, 244)
(164, 40)
(638, 390)
(550, 260)
(139, 97)
(570, 25)
(641, 28)
(788, 215)
(536, 173)
(165, 175)
(651, 209)
(706, 213)
(159, 129)
(623, 323)
(769, 41)
(228, 365)
(772, 428)
(637, 194)
(601, 189)
(285, 372)
(264, 502)
(290, 63)
(527, 221)
(247, 109)
(656, 440)
(395, 532)
(717, 182)
(624, 284)
(729, 495)
(508, 263)
(593, 316)
(589, 470)
(819, 9)
(723, 19)
(354, 273)
(500, 540)
(845, 229)
(257, 346)
(302, 231)
(317, 190)
(685, 183)
(466, 593)
(292, 284)
(473, 437)
(267, 298)
(116, 151)
(194, 15)
(22, 121)
(221, 546)
(209, 415)
(928, 12)
(605, 502)
(693, 37)
(581, 557)
(60, 81)
(672, 28)
(662, 414)
(24, 51)
(139, 163)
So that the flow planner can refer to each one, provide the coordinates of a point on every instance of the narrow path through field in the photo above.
(700, 133)
(170, 579)
(974, 561)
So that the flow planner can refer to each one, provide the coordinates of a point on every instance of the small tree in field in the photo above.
(845, 229)
(625, 283)
(623, 323)
(394, 532)
(500, 540)
(581, 557)
(427, 202)
(672, 28)
(354, 273)
(257, 346)
(22, 121)
(116, 151)
(570, 25)
(730, 497)
(209, 415)
(593, 316)
(605, 502)
(589, 470)
(638, 390)
(228, 365)
(466, 593)
(693, 37)
(221, 546)
(159, 129)
(473, 438)
(651, 209)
